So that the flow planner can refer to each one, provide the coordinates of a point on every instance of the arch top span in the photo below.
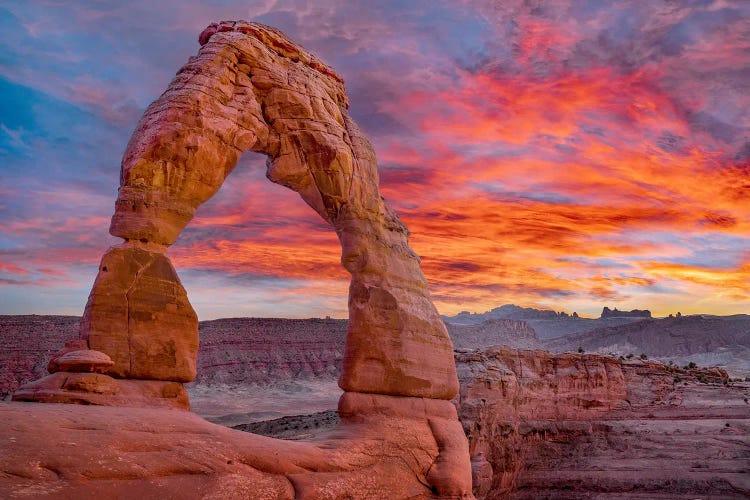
(252, 89)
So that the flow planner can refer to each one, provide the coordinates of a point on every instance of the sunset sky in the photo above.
(565, 154)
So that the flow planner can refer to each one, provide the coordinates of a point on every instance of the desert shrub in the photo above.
(580, 349)
(702, 378)
(677, 379)
(631, 355)
(643, 356)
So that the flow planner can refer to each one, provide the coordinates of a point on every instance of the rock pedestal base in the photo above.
(103, 390)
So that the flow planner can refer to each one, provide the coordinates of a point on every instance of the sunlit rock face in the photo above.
(139, 313)
(251, 89)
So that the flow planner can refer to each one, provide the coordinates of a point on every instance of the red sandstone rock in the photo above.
(70, 345)
(575, 426)
(251, 88)
(105, 452)
(82, 360)
(99, 389)
(139, 314)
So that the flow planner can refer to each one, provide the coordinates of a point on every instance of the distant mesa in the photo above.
(507, 311)
(615, 313)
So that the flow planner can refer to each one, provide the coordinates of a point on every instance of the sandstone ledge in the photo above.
(73, 451)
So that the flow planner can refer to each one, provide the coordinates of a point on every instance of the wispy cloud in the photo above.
(556, 153)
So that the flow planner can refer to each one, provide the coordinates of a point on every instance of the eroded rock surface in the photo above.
(570, 426)
(139, 314)
(106, 452)
(249, 88)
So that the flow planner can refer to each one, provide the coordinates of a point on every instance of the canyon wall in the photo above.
(233, 350)
(269, 350)
(543, 425)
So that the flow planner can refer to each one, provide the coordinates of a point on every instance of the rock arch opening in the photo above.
(263, 273)
(255, 249)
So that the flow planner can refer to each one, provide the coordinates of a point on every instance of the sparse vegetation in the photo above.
(702, 378)
(580, 350)
(690, 366)
(677, 379)
(629, 356)
(643, 356)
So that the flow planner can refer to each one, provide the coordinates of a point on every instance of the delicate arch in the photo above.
(251, 88)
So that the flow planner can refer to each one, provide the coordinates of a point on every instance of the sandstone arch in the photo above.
(252, 89)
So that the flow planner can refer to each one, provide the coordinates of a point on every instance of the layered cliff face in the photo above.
(267, 351)
(583, 425)
(513, 333)
(26, 344)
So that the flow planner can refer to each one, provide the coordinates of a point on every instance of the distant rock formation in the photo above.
(507, 311)
(509, 332)
(547, 324)
(615, 313)
(250, 88)
(707, 340)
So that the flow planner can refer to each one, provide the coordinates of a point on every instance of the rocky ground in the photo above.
(295, 427)
(540, 425)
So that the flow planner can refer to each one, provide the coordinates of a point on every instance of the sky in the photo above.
(563, 154)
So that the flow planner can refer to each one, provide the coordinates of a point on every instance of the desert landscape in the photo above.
(539, 424)
(486, 250)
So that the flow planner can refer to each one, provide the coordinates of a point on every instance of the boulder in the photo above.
(138, 313)
(84, 360)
